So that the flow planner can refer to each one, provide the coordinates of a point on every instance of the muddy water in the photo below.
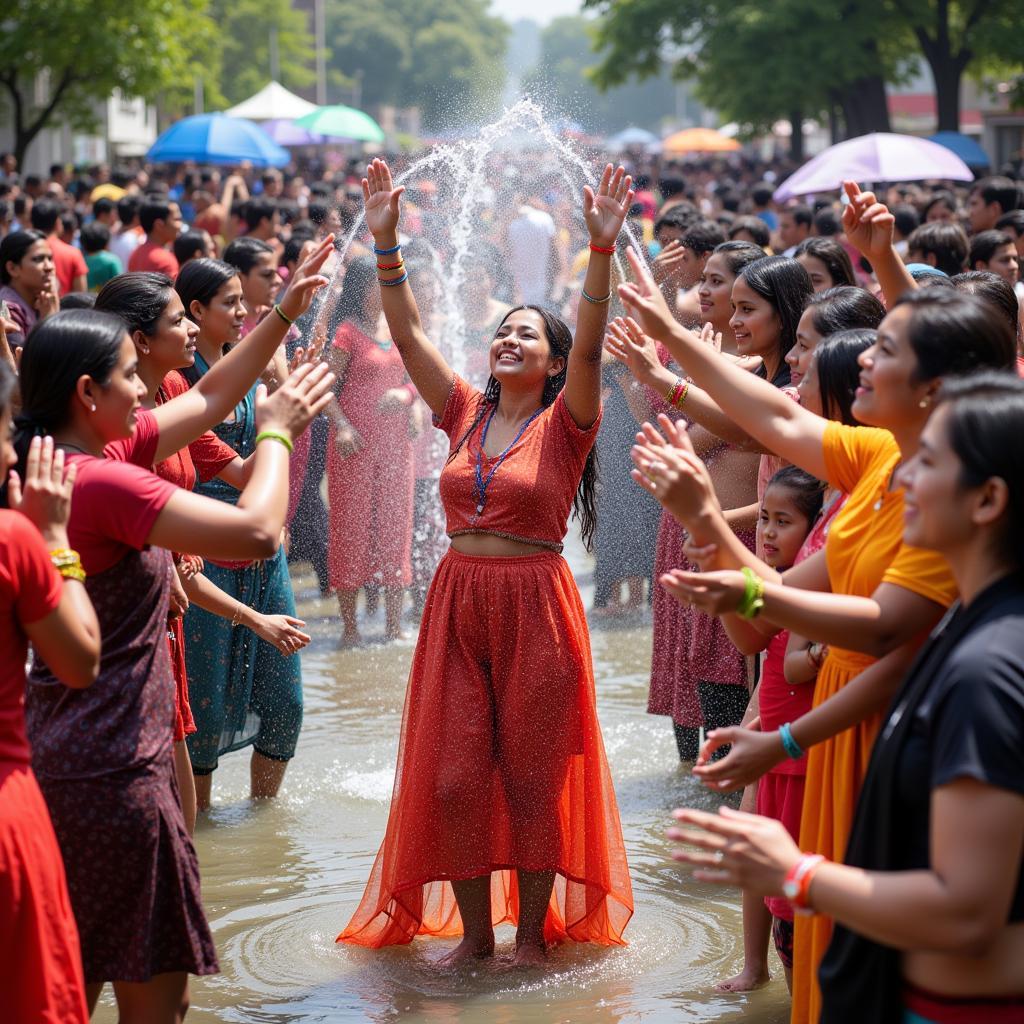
(281, 879)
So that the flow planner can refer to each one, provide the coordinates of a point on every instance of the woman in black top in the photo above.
(929, 906)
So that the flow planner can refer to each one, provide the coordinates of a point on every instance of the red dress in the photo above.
(501, 765)
(371, 492)
(38, 936)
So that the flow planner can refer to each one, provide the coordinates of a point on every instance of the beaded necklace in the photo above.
(482, 482)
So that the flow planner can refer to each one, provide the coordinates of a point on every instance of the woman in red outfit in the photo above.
(38, 937)
(370, 478)
(503, 797)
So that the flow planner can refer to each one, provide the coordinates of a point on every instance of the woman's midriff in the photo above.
(1000, 972)
(489, 545)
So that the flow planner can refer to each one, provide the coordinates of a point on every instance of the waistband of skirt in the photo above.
(935, 1008)
(501, 560)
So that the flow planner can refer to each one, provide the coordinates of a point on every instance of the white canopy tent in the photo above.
(273, 102)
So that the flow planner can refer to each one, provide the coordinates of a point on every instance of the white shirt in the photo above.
(530, 236)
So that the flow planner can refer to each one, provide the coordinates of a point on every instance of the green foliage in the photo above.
(444, 56)
(562, 81)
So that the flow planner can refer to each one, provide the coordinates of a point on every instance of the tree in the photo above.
(444, 56)
(245, 31)
(82, 50)
(561, 78)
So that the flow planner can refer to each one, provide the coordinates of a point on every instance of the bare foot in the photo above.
(395, 635)
(746, 981)
(466, 951)
(351, 638)
(529, 954)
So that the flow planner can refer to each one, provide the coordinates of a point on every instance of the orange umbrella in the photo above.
(699, 140)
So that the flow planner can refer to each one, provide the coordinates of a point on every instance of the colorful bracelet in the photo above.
(601, 249)
(677, 395)
(789, 743)
(68, 564)
(275, 435)
(386, 252)
(391, 266)
(596, 302)
(395, 282)
(797, 885)
(281, 313)
(753, 595)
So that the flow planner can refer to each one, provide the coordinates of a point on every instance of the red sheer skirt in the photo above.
(501, 763)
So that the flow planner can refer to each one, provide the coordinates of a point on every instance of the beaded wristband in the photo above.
(281, 313)
(596, 302)
(275, 435)
(396, 281)
(601, 249)
(391, 266)
(753, 595)
(789, 743)
(386, 252)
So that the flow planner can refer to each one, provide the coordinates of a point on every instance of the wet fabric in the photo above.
(501, 763)
(864, 549)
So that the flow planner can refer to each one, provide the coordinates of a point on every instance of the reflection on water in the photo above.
(281, 879)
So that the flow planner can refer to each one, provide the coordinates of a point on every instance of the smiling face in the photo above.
(817, 271)
(117, 401)
(715, 292)
(172, 345)
(799, 356)
(755, 324)
(889, 395)
(781, 527)
(520, 355)
(809, 389)
(221, 321)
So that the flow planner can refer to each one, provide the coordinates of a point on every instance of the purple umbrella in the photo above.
(881, 157)
(287, 133)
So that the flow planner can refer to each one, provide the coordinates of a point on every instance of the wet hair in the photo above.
(14, 247)
(953, 332)
(832, 254)
(139, 299)
(680, 217)
(95, 237)
(57, 352)
(998, 189)
(78, 300)
(153, 208)
(45, 214)
(200, 280)
(702, 237)
(946, 242)
(560, 340)
(838, 371)
(984, 245)
(359, 281)
(985, 423)
(186, 246)
(244, 253)
(787, 287)
(844, 307)
(806, 491)
(993, 289)
(738, 255)
(753, 226)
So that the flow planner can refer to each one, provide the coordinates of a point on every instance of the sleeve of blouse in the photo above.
(210, 455)
(978, 728)
(580, 441)
(120, 501)
(922, 572)
(39, 585)
(457, 407)
(850, 452)
(140, 448)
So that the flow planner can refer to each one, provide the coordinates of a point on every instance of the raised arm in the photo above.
(604, 212)
(424, 363)
(753, 404)
(869, 225)
(184, 418)
(203, 526)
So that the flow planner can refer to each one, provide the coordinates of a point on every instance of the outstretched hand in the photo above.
(306, 281)
(627, 343)
(645, 301)
(381, 199)
(714, 593)
(868, 223)
(605, 210)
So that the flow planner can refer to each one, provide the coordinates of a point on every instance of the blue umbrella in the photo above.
(217, 139)
(964, 146)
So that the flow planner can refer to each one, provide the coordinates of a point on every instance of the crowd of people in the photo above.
(791, 431)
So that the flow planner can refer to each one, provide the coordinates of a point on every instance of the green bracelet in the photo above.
(281, 313)
(753, 595)
(275, 435)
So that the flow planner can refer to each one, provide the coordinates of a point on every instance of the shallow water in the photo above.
(280, 880)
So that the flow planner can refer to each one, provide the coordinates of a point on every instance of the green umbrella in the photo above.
(343, 123)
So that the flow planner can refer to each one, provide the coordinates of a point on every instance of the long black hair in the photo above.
(836, 364)
(139, 299)
(985, 421)
(787, 287)
(59, 350)
(843, 308)
(13, 249)
(559, 337)
(996, 290)
(738, 255)
(832, 254)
